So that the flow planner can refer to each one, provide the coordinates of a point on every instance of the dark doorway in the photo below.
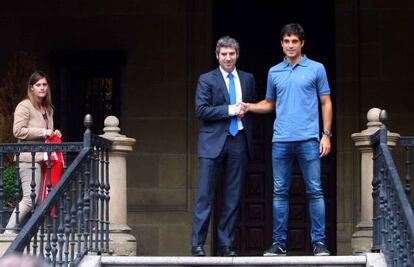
(88, 82)
(256, 25)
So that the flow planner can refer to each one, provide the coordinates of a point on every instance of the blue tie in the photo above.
(232, 93)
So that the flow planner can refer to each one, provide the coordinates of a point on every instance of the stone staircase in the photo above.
(368, 260)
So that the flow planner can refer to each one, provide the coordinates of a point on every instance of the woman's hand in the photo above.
(50, 132)
(58, 133)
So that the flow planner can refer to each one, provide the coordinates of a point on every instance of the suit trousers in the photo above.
(230, 165)
(25, 205)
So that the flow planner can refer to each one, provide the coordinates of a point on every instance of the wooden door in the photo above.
(88, 82)
(299, 219)
(255, 216)
(256, 25)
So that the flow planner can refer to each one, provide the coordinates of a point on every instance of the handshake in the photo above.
(241, 109)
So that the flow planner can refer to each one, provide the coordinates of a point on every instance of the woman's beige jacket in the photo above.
(29, 127)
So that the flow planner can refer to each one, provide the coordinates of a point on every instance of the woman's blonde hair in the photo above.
(47, 101)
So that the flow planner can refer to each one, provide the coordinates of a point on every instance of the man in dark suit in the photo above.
(224, 144)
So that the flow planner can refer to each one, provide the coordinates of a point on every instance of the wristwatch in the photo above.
(327, 133)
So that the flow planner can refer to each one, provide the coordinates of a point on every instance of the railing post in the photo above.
(122, 243)
(362, 238)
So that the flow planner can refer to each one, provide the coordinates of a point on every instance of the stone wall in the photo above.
(162, 172)
(167, 45)
(373, 63)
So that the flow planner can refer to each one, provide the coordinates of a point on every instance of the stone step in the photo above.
(236, 261)
(371, 259)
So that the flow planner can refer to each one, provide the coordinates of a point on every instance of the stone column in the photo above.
(121, 241)
(362, 238)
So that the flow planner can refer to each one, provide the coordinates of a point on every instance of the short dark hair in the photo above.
(293, 28)
(227, 41)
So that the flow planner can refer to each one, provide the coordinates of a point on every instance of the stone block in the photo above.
(370, 52)
(143, 170)
(347, 60)
(147, 237)
(159, 135)
(175, 240)
(370, 26)
(157, 199)
(173, 171)
(390, 37)
(343, 248)
(167, 99)
(159, 217)
(361, 242)
(345, 27)
(122, 244)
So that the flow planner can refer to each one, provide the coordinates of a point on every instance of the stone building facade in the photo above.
(162, 47)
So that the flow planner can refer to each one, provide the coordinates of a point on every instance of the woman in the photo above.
(33, 122)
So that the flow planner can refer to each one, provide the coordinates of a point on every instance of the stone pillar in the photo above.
(362, 238)
(122, 243)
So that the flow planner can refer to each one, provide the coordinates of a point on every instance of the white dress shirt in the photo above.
(232, 108)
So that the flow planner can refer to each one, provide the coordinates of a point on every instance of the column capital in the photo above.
(363, 139)
(121, 143)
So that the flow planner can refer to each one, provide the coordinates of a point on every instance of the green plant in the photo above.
(9, 185)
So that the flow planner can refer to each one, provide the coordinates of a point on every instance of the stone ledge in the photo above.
(235, 261)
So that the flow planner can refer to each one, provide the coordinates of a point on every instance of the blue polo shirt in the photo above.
(296, 90)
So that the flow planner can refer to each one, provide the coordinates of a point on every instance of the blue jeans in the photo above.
(307, 155)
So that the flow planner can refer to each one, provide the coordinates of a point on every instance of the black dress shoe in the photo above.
(227, 251)
(198, 251)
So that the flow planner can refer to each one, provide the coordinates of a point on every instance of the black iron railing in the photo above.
(69, 150)
(393, 218)
(407, 143)
(74, 218)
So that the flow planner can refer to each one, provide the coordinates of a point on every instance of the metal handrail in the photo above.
(74, 218)
(393, 229)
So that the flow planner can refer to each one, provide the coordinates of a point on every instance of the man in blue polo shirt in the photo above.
(296, 86)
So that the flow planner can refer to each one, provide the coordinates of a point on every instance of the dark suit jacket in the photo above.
(211, 106)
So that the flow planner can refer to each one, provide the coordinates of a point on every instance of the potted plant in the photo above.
(9, 186)
(9, 191)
